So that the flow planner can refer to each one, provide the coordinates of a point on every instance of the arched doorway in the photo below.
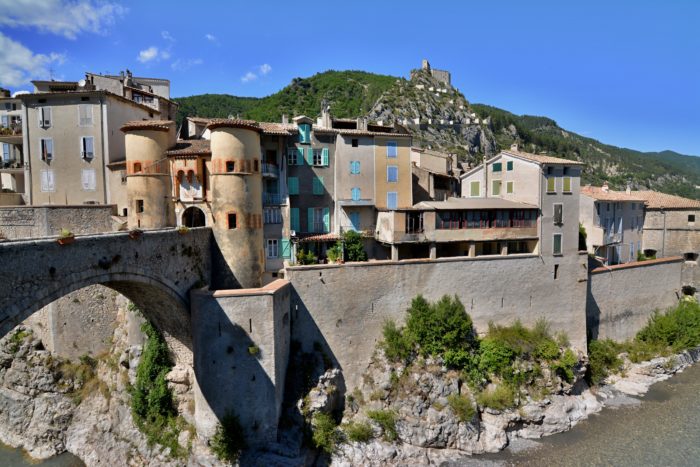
(193, 217)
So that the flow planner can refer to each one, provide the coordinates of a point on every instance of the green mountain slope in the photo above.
(485, 129)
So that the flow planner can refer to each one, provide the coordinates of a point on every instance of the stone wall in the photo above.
(670, 233)
(44, 221)
(622, 298)
(241, 348)
(343, 307)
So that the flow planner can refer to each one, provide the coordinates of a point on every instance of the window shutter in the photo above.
(567, 184)
(326, 220)
(352, 167)
(551, 187)
(44, 180)
(293, 185)
(509, 165)
(300, 156)
(50, 183)
(88, 143)
(5, 151)
(294, 219)
(310, 219)
(318, 186)
(557, 213)
(497, 167)
(286, 248)
(86, 179)
(474, 189)
(357, 167)
(324, 157)
(47, 116)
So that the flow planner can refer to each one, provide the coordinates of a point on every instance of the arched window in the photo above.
(190, 177)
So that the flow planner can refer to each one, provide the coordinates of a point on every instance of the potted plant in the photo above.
(183, 229)
(335, 253)
(66, 237)
(135, 234)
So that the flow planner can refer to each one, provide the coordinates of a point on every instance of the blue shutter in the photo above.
(391, 200)
(310, 219)
(357, 167)
(310, 156)
(355, 220)
(294, 219)
(300, 156)
(293, 185)
(318, 186)
(324, 157)
(355, 194)
(286, 248)
(326, 220)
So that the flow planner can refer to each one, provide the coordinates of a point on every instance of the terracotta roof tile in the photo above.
(542, 159)
(234, 123)
(190, 147)
(326, 237)
(656, 200)
(597, 192)
(159, 125)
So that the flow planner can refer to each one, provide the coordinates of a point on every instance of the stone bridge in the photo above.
(155, 271)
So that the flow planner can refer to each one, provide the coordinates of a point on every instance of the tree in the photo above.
(354, 249)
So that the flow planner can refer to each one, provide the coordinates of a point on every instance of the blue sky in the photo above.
(626, 73)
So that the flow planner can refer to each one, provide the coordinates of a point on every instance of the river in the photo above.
(663, 430)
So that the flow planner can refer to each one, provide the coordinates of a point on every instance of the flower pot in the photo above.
(66, 240)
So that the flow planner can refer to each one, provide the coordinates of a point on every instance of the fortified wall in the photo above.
(45, 221)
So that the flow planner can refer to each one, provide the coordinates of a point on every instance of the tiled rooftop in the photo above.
(598, 193)
(542, 159)
(656, 200)
(160, 125)
(190, 147)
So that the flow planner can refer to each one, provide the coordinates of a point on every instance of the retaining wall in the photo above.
(17, 222)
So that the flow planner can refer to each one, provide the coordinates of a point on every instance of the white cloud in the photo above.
(211, 38)
(61, 17)
(166, 35)
(148, 54)
(164, 54)
(180, 64)
(265, 69)
(19, 65)
(250, 76)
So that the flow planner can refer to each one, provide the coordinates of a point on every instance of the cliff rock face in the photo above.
(437, 114)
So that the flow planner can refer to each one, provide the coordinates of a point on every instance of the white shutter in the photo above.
(52, 185)
(85, 111)
(47, 180)
(88, 179)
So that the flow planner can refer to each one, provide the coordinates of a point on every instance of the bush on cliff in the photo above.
(229, 440)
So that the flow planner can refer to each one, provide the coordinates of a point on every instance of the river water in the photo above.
(663, 430)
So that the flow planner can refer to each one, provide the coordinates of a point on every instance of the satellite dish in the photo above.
(81, 83)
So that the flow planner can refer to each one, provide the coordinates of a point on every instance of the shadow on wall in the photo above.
(592, 313)
(231, 378)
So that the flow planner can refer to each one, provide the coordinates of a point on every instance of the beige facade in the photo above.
(11, 147)
(392, 161)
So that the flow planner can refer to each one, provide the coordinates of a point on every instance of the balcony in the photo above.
(272, 216)
(270, 170)
(11, 134)
(366, 230)
(271, 199)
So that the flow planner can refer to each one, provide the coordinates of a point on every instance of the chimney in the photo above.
(362, 123)
(628, 188)
(325, 120)
(285, 120)
(605, 188)
(514, 147)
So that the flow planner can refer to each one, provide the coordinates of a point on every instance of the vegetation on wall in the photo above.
(229, 440)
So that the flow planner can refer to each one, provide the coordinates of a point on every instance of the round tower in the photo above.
(148, 183)
(236, 186)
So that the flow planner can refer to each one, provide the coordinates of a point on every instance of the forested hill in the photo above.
(358, 93)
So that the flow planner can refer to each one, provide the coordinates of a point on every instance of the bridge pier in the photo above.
(241, 347)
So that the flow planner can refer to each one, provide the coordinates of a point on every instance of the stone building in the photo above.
(435, 175)
(440, 75)
(671, 225)
(613, 222)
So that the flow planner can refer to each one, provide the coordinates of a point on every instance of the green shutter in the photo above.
(567, 184)
(300, 156)
(310, 219)
(474, 189)
(551, 187)
(324, 157)
(286, 248)
(294, 219)
(497, 167)
(310, 156)
(293, 185)
(326, 219)
(509, 165)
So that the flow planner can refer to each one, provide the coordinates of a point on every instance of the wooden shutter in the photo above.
(309, 156)
(50, 182)
(300, 156)
(567, 184)
(286, 248)
(474, 189)
(318, 186)
(326, 220)
(294, 219)
(293, 185)
(324, 157)
(310, 219)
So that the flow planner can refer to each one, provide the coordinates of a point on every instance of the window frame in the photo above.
(494, 168)
(317, 157)
(86, 123)
(564, 181)
(50, 155)
(554, 214)
(355, 190)
(354, 167)
(83, 152)
(42, 110)
(509, 166)
(93, 186)
(554, 184)
(231, 215)
(274, 244)
(50, 187)
(394, 145)
(554, 243)
(396, 197)
(292, 155)
(510, 187)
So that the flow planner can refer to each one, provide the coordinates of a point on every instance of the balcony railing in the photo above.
(272, 215)
(367, 230)
(318, 227)
(270, 170)
(272, 199)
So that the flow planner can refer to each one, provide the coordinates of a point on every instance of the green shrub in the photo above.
(397, 346)
(678, 328)
(306, 257)
(325, 434)
(354, 249)
(360, 432)
(386, 419)
(16, 340)
(546, 349)
(500, 398)
(229, 439)
(335, 252)
(523, 341)
(564, 367)
(462, 407)
(495, 356)
(602, 360)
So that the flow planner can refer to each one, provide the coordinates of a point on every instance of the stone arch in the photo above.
(194, 217)
(160, 301)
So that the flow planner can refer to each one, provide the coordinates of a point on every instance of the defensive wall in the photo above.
(44, 221)
(622, 298)
(343, 307)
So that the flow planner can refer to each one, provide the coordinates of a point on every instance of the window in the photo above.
(474, 189)
(556, 271)
(318, 188)
(87, 150)
(496, 188)
(391, 200)
(558, 209)
(293, 185)
(137, 167)
(509, 166)
(5, 121)
(292, 156)
(550, 170)
(355, 142)
(44, 117)
(139, 205)
(391, 149)
(497, 167)
(232, 220)
(355, 193)
(88, 179)
(392, 173)
(256, 166)
(355, 167)
(509, 187)
(567, 185)
(551, 184)
(272, 248)
(294, 219)
(47, 181)
(691, 218)
(320, 157)
(5, 152)
(556, 244)
(304, 133)
(230, 166)
(566, 170)
(354, 220)
(85, 115)
(46, 149)
(318, 220)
